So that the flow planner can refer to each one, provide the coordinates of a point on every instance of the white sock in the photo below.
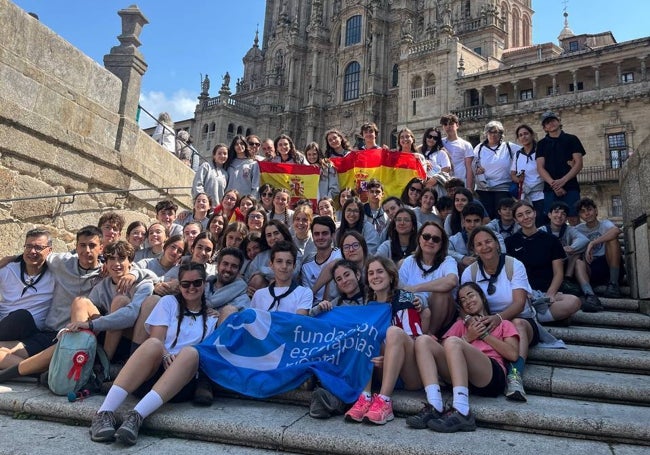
(149, 404)
(114, 398)
(461, 400)
(385, 398)
(367, 395)
(434, 396)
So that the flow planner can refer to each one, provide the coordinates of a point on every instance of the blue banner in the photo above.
(260, 354)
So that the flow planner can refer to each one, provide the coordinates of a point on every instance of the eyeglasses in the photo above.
(352, 246)
(195, 283)
(254, 144)
(229, 198)
(351, 211)
(269, 194)
(430, 237)
(431, 136)
(256, 216)
(415, 190)
(37, 248)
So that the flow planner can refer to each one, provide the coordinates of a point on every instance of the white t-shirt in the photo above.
(410, 274)
(502, 298)
(593, 233)
(438, 160)
(311, 271)
(496, 162)
(300, 299)
(165, 313)
(533, 183)
(459, 150)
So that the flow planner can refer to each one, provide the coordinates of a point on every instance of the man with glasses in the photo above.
(26, 290)
(460, 151)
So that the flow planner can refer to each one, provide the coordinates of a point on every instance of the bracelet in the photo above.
(500, 318)
(90, 325)
(484, 335)
(165, 356)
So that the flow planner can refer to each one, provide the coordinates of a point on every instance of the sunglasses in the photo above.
(267, 194)
(431, 136)
(432, 238)
(415, 190)
(196, 283)
(254, 144)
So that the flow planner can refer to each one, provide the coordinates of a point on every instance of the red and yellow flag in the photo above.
(300, 179)
(392, 169)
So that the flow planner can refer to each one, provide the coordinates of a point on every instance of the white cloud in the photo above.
(180, 106)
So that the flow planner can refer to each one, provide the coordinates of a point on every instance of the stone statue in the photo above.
(205, 85)
(226, 80)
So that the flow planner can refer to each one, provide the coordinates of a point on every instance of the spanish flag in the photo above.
(392, 169)
(300, 179)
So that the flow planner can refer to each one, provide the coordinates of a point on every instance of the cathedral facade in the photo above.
(325, 64)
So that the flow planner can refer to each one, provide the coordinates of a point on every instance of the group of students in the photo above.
(168, 285)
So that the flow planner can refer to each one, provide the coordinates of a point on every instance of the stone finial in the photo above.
(132, 22)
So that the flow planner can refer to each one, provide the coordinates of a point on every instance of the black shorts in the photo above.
(38, 342)
(17, 325)
(535, 339)
(185, 394)
(497, 384)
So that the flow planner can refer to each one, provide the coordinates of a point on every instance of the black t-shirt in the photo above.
(537, 253)
(557, 153)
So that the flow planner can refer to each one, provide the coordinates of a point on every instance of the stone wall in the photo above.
(62, 133)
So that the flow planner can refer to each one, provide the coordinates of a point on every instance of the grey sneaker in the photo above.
(452, 422)
(612, 291)
(515, 388)
(128, 432)
(591, 304)
(422, 418)
(325, 404)
(102, 428)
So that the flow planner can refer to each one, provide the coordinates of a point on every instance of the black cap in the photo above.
(549, 115)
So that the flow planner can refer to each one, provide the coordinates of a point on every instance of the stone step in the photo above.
(622, 304)
(622, 429)
(612, 319)
(587, 384)
(594, 358)
(599, 336)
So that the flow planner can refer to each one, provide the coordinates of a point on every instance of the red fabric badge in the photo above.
(79, 359)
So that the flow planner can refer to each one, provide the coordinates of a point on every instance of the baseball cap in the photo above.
(549, 115)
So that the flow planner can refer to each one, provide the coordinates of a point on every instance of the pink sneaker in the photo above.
(380, 411)
(358, 409)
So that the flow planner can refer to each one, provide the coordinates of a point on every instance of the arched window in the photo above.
(204, 132)
(353, 30)
(393, 139)
(514, 30)
(395, 82)
(248, 132)
(430, 85)
(240, 129)
(231, 128)
(525, 31)
(351, 80)
(213, 126)
(416, 87)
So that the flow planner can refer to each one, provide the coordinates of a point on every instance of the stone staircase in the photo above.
(592, 397)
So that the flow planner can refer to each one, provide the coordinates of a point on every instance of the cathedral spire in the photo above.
(256, 41)
(566, 31)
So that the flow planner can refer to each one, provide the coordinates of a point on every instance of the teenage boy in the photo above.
(390, 207)
(602, 260)
(283, 294)
(444, 205)
(26, 289)
(111, 224)
(322, 232)
(106, 309)
(228, 287)
(472, 215)
(505, 223)
(372, 209)
(574, 244)
(559, 159)
(166, 214)
(369, 134)
(460, 151)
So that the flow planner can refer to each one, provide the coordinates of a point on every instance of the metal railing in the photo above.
(196, 160)
(593, 174)
(72, 196)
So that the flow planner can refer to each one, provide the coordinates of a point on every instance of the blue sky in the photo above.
(186, 39)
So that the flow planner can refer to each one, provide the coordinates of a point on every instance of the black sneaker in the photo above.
(325, 404)
(421, 419)
(613, 291)
(128, 432)
(591, 304)
(453, 421)
(203, 394)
